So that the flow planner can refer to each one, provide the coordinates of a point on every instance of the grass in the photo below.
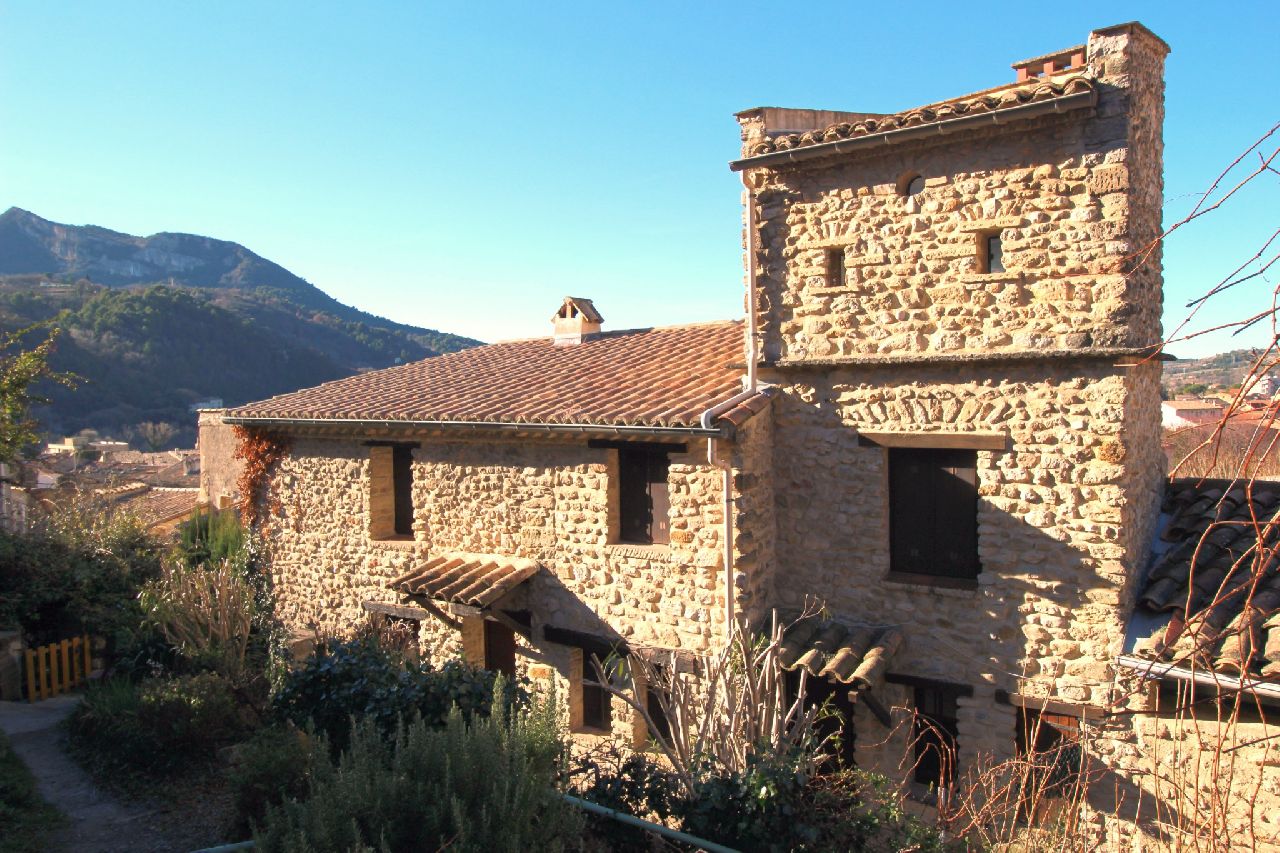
(27, 819)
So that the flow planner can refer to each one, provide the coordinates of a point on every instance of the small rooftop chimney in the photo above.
(576, 321)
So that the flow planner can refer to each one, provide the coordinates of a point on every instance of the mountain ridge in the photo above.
(155, 323)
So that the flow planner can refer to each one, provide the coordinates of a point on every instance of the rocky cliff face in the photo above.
(32, 244)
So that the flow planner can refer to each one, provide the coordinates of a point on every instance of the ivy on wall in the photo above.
(261, 451)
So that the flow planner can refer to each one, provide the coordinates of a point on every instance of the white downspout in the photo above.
(750, 388)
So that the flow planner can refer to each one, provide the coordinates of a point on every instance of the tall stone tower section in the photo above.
(961, 305)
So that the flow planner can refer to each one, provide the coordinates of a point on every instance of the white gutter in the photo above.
(1208, 678)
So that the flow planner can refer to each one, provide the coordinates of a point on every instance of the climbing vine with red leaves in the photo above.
(261, 451)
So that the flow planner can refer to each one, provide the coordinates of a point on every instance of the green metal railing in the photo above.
(594, 808)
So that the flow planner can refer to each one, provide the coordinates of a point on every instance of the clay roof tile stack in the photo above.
(1217, 576)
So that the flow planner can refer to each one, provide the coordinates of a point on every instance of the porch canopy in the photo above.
(470, 580)
(854, 655)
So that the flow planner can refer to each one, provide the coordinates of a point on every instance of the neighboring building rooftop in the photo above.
(655, 378)
(1209, 601)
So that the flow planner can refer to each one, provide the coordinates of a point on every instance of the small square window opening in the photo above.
(936, 730)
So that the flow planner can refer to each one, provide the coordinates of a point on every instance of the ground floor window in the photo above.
(835, 728)
(589, 701)
(499, 648)
(936, 731)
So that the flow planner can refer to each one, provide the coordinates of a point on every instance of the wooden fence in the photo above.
(58, 667)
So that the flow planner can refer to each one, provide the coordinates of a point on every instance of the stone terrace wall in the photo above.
(1056, 557)
(1075, 197)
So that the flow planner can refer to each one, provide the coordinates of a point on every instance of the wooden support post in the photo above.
(66, 666)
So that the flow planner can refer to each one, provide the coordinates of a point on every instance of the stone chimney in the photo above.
(576, 321)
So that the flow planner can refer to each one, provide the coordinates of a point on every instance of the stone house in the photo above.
(940, 419)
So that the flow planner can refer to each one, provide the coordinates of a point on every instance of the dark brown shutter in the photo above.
(933, 512)
(659, 500)
(402, 480)
(499, 648)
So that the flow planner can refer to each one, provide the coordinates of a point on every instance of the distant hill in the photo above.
(1224, 369)
(156, 323)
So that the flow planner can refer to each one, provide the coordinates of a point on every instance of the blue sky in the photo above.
(463, 166)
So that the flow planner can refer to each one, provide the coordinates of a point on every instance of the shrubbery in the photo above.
(484, 786)
(79, 573)
(158, 727)
(272, 766)
(360, 679)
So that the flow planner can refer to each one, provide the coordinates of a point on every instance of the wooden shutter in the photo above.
(499, 648)
(659, 499)
(402, 477)
(933, 512)
(644, 505)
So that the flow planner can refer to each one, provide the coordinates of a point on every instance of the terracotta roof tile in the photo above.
(665, 377)
(156, 505)
(476, 580)
(857, 655)
(1216, 577)
(985, 102)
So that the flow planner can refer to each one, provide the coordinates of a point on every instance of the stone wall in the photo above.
(1075, 199)
(1045, 617)
(219, 469)
(549, 500)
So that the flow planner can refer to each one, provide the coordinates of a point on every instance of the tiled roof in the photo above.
(1215, 580)
(851, 655)
(156, 505)
(476, 580)
(665, 377)
(986, 102)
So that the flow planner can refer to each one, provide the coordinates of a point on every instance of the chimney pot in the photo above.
(575, 322)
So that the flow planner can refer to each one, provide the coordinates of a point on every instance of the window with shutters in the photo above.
(589, 709)
(933, 513)
(391, 491)
(499, 648)
(643, 503)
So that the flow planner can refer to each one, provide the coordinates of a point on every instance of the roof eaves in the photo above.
(526, 426)
(1061, 104)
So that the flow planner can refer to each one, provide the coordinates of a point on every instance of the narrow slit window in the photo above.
(936, 731)
(402, 478)
(835, 268)
(991, 253)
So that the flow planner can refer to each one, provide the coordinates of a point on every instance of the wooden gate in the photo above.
(57, 667)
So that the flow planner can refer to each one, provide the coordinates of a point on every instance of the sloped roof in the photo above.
(855, 655)
(476, 580)
(156, 505)
(992, 101)
(663, 377)
(1211, 598)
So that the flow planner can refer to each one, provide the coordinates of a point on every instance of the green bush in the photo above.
(484, 786)
(212, 537)
(360, 679)
(270, 767)
(158, 727)
(80, 574)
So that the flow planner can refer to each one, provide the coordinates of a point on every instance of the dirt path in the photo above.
(97, 821)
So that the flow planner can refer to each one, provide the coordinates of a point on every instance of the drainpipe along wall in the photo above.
(750, 384)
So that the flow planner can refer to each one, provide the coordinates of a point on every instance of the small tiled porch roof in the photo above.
(855, 655)
(474, 580)
(1211, 599)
